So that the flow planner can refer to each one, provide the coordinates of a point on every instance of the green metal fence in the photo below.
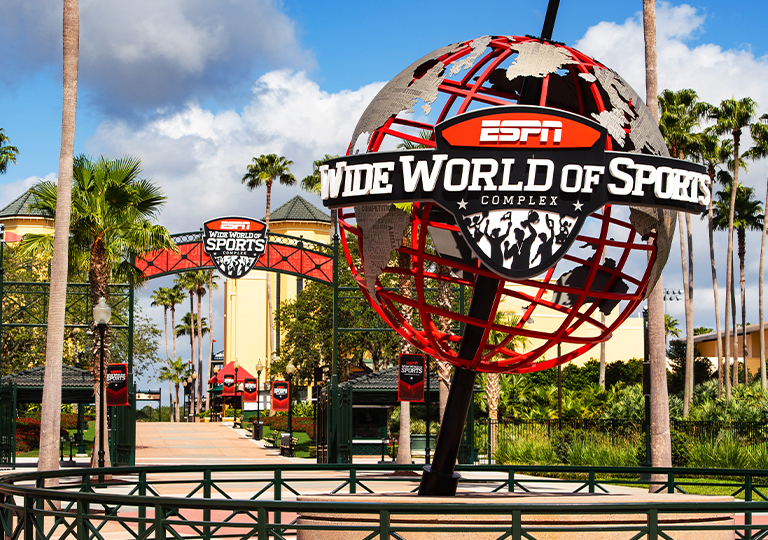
(241, 502)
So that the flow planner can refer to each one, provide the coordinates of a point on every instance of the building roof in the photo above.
(22, 207)
(299, 209)
(386, 379)
(712, 335)
(71, 377)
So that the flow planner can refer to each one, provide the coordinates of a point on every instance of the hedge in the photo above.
(280, 423)
(28, 434)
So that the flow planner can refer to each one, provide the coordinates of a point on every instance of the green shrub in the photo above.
(524, 451)
(563, 440)
(680, 449)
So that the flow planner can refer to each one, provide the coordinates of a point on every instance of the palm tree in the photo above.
(111, 223)
(212, 285)
(747, 215)
(185, 282)
(681, 113)
(671, 326)
(730, 118)
(196, 281)
(54, 342)
(175, 372)
(311, 182)
(162, 297)
(759, 134)
(264, 170)
(188, 328)
(661, 445)
(8, 153)
(713, 153)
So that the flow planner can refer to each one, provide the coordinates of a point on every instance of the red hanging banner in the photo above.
(116, 379)
(280, 393)
(250, 390)
(228, 385)
(410, 381)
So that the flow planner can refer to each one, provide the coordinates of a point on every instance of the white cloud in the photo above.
(715, 74)
(150, 53)
(10, 190)
(199, 157)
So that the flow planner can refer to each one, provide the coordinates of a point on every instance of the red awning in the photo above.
(229, 369)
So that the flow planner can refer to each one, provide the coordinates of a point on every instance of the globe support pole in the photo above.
(439, 478)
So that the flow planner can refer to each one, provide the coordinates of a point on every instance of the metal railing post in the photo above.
(82, 529)
(591, 481)
(517, 524)
(670, 482)
(207, 495)
(28, 509)
(159, 526)
(263, 518)
(353, 480)
(747, 499)
(653, 524)
(383, 525)
(142, 509)
(278, 478)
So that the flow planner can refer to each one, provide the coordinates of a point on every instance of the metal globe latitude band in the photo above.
(540, 182)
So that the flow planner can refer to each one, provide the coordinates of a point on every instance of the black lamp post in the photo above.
(101, 315)
(290, 369)
(257, 425)
(192, 404)
(237, 387)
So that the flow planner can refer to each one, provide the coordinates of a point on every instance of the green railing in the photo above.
(242, 502)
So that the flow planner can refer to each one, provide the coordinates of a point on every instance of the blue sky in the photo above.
(197, 88)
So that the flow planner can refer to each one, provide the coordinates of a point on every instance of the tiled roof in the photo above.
(299, 209)
(71, 377)
(22, 206)
(386, 379)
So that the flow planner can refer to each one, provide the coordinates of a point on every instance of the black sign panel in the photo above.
(519, 181)
(280, 393)
(410, 383)
(234, 244)
(116, 379)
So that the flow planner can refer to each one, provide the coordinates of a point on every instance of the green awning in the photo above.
(215, 389)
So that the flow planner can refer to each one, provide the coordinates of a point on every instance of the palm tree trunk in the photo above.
(98, 279)
(689, 305)
(210, 325)
(735, 372)
(192, 327)
(718, 342)
(741, 233)
(729, 251)
(689, 332)
(199, 352)
(269, 281)
(661, 448)
(54, 342)
(175, 357)
(178, 412)
(760, 318)
(167, 356)
(492, 391)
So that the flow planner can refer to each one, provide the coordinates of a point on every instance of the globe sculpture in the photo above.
(423, 292)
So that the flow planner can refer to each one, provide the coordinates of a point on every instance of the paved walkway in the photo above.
(169, 443)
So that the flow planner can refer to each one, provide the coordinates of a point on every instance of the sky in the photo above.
(196, 89)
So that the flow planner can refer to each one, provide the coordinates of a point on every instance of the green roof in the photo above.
(299, 209)
(386, 379)
(71, 377)
(22, 207)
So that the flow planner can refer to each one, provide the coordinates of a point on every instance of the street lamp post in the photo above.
(289, 371)
(101, 315)
(192, 404)
(237, 367)
(257, 425)
(213, 397)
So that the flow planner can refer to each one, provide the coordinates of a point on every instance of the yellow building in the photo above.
(707, 346)
(19, 218)
(246, 310)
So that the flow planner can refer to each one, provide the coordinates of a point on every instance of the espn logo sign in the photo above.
(522, 127)
(493, 131)
(235, 226)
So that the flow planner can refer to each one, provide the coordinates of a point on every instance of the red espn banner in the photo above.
(250, 390)
(410, 380)
(280, 393)
(228, 385)
(116, 379)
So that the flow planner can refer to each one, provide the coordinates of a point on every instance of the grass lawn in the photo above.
(708, 486)
(88, 437)
(302, 445)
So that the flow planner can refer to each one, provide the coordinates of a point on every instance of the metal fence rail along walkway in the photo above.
(260, 501)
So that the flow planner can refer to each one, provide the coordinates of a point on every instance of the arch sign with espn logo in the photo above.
(234, 244)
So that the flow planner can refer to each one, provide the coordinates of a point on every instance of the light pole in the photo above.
(214, 414)
(101, 315)
(257, 425)
(237, 367)
(289, 371)
(192, 404)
